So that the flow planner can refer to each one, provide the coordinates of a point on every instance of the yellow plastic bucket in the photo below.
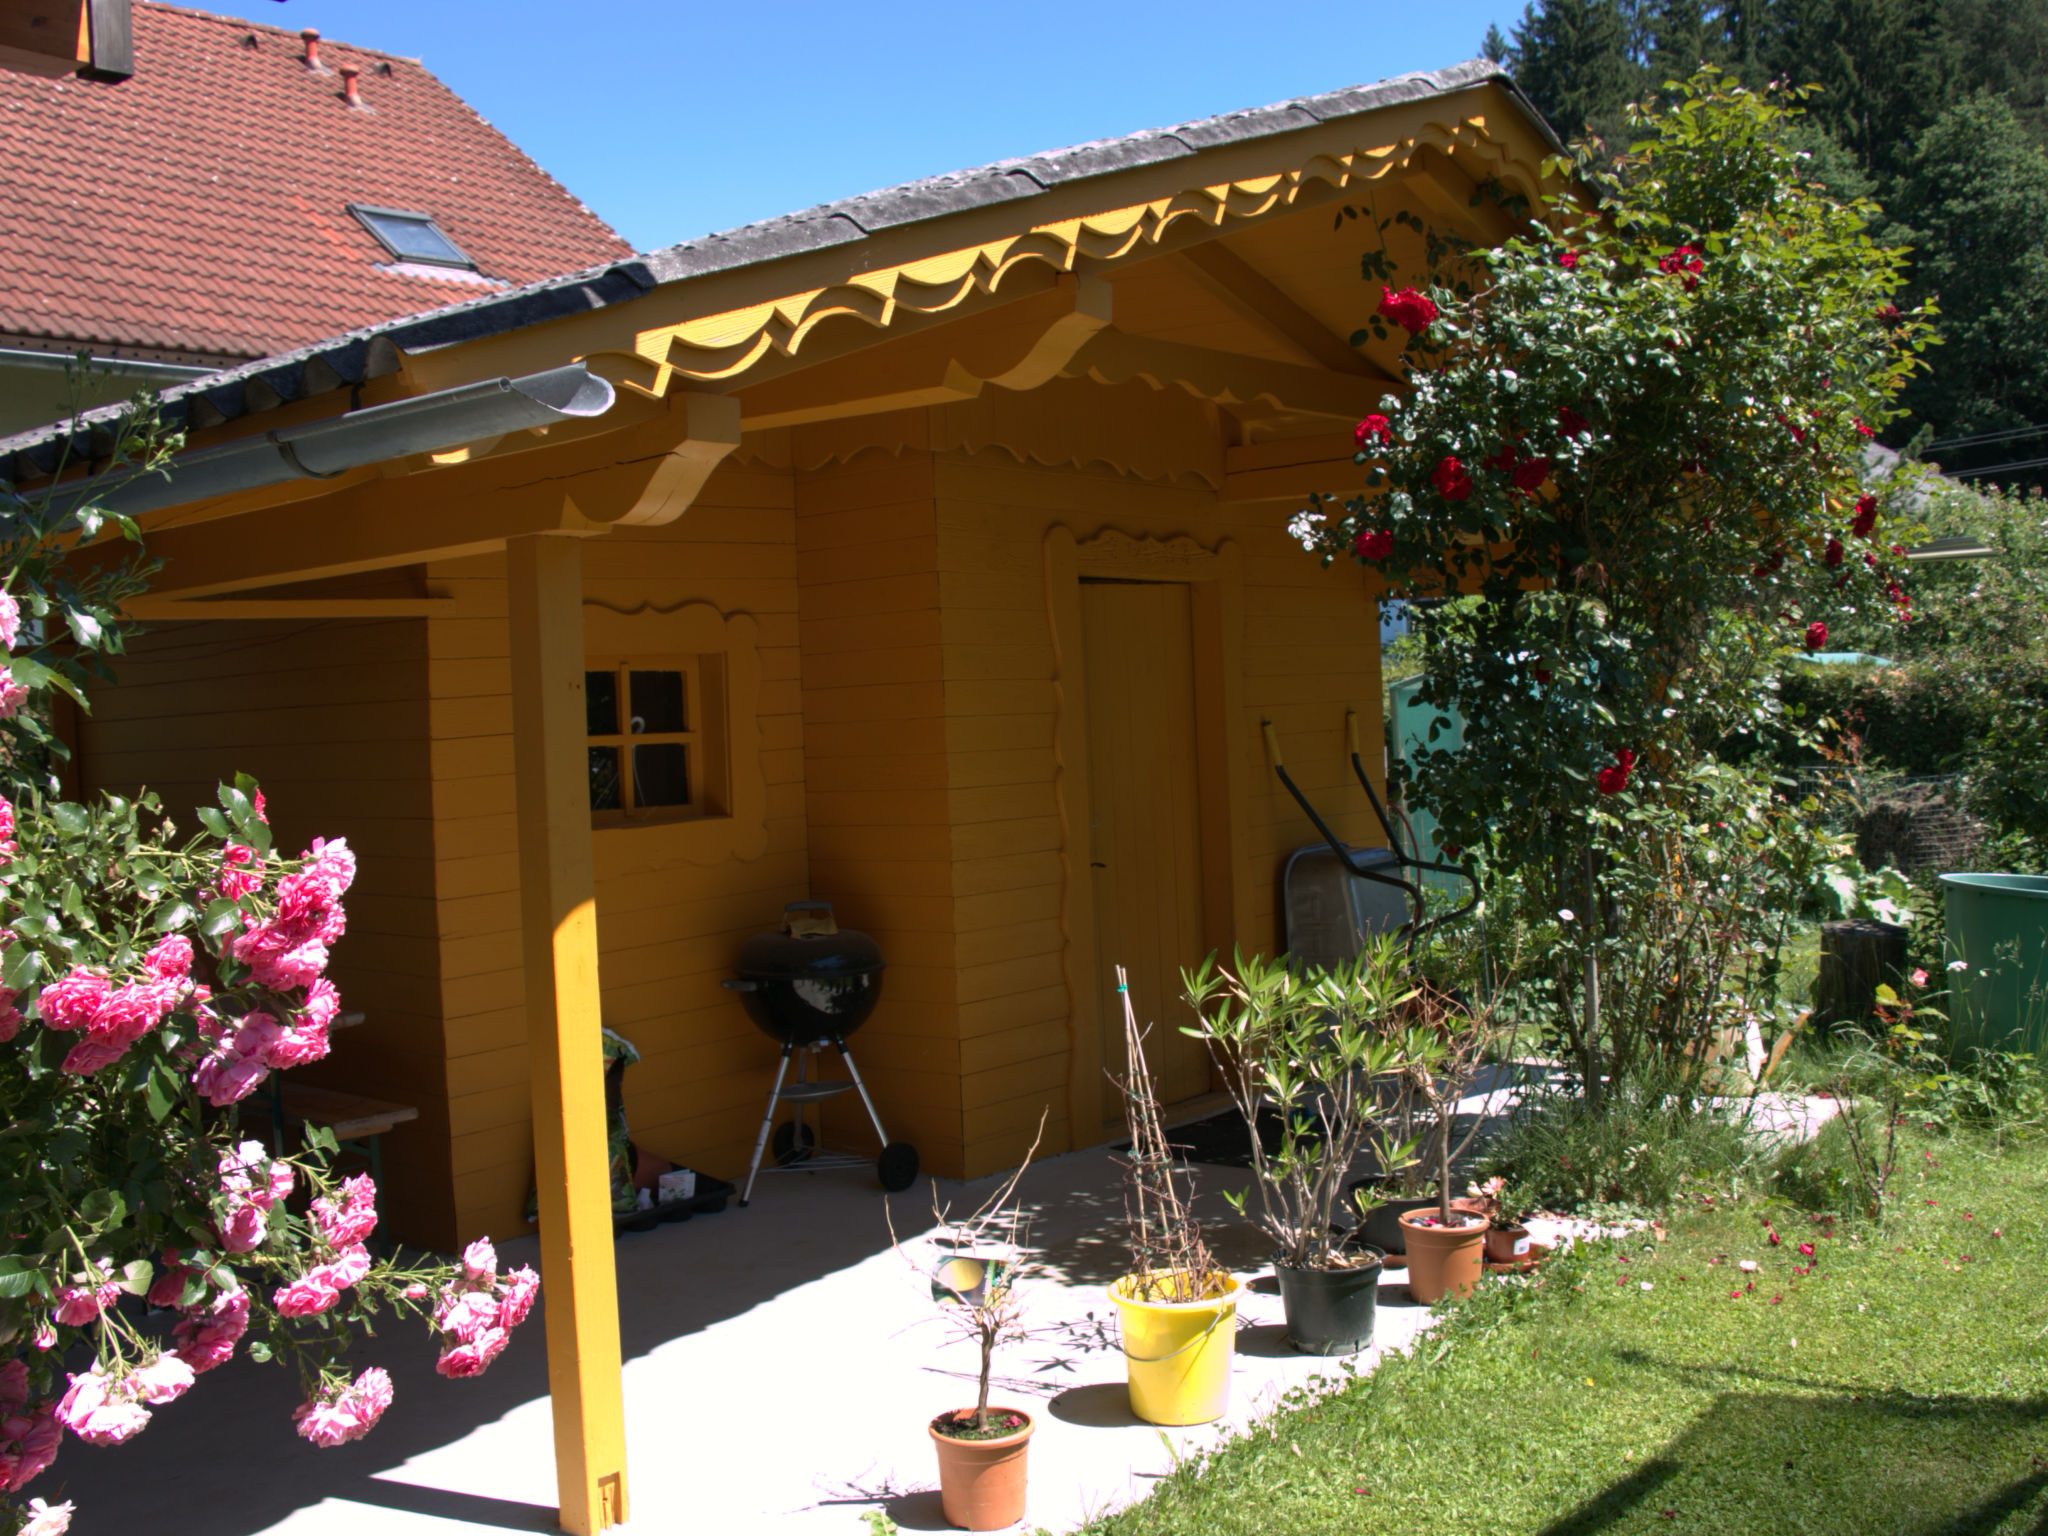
(1178, 1353)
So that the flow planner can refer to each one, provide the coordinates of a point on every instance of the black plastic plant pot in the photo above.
(1383, 1223)
(1331, 1311)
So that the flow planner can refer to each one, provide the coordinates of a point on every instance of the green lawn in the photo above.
(1899, 1387)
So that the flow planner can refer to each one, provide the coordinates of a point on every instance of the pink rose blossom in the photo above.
(206, 1336)
(280, 957)
(12, 695)
(518, 1292)
(169, 1285)
(78, 1305)
(10, 1016)
(241, 872)
(71, 1001)
(46, 1519)
(345, 1268)
(46, 1337)
(1919, 978)
(244, 1228)
(164, 1380)
(171, 960)
(322, 1005)
(474, 1358)
(307, 1296)
(349, 1414)
(123, 1017)
(351, 1219)
(262, 814)
(465, 1316)
(29, 1440)
(296, 1045)
(8, 846)
(10, 620)
(480, 1260)
(99, 1412)
(231, 1071)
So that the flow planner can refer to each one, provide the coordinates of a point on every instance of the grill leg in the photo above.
(847, 1056)
(767, 1124)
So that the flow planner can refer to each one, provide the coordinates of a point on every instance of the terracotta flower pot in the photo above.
(1504, 1245)
(1443, 1261)
(981, 1482)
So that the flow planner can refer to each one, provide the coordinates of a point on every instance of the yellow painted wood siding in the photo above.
(1310, 650)
(331, 717)
(667, 929)
(880, 810)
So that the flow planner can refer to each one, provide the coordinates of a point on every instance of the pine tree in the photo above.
(1579, 62)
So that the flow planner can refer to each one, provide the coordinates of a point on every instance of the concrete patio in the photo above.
(781, 1364)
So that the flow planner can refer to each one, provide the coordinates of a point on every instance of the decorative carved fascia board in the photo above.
(1121, 556)
(722, 349)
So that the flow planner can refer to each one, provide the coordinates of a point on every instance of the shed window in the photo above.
(654, 738)
(411, 236)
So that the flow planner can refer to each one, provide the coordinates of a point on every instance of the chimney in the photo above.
(311, 38)
(349, 93)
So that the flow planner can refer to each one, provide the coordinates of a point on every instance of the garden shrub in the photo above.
(1650, 1139)
(1635, 439)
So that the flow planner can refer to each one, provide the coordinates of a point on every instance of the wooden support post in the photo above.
(558, 913)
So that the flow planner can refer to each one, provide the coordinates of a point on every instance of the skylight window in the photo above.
(411, 236)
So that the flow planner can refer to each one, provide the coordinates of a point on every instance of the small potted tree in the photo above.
(982, 1449)
(1176, 1306)
(1446, 1246)
(1313, 1047)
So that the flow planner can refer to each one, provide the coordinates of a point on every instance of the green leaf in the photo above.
(222, 918)
(213, 821)
(179, 914)
(135, 1277)
(20, 968)
(72, 820)
(16, 1279)
(103, 1207)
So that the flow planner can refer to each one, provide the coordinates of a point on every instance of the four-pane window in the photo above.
(646, 736)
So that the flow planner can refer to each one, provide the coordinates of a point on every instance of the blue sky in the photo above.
(672, 118)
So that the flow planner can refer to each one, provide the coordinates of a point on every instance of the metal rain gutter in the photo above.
(320, 450)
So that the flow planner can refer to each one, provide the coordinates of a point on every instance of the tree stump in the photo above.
(1857, 954)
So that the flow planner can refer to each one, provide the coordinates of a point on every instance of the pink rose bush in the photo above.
(160, 983)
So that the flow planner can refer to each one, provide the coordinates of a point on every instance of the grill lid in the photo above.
(811, 947)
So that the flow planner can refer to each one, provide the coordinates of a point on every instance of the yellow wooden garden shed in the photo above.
(937, 542)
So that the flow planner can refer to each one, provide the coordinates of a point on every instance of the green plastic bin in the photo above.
(1998, 928)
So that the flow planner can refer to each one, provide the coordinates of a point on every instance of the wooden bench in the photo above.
(358, 1122)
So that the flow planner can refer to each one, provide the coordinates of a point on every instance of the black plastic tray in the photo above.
(711, 1197)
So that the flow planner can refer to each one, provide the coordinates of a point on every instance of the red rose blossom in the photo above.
(1408, 309)
(1816, 635)
(1613, 780)
(1573, 424)
(1374, 544)
(1686, 263)
(1888, 314)
(1832, 555)
(1530, 474)
(1567, 259)
(1374, 429)
(1453, 481)
(1866, 516)
(1862, 429)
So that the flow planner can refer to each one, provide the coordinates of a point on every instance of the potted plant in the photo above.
(1446, 1246)
(1450, 965)
(1176, 1306)
(1507, 1239)
(1312, 1047)
(982, 1450)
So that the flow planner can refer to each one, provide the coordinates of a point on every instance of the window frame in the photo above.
(366, 214)
(700, 700)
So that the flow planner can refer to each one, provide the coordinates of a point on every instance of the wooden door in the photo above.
(1145, 812)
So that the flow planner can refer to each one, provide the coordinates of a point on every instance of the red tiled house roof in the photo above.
(198, 211)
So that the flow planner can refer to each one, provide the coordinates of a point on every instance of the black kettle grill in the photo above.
(806, 987)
